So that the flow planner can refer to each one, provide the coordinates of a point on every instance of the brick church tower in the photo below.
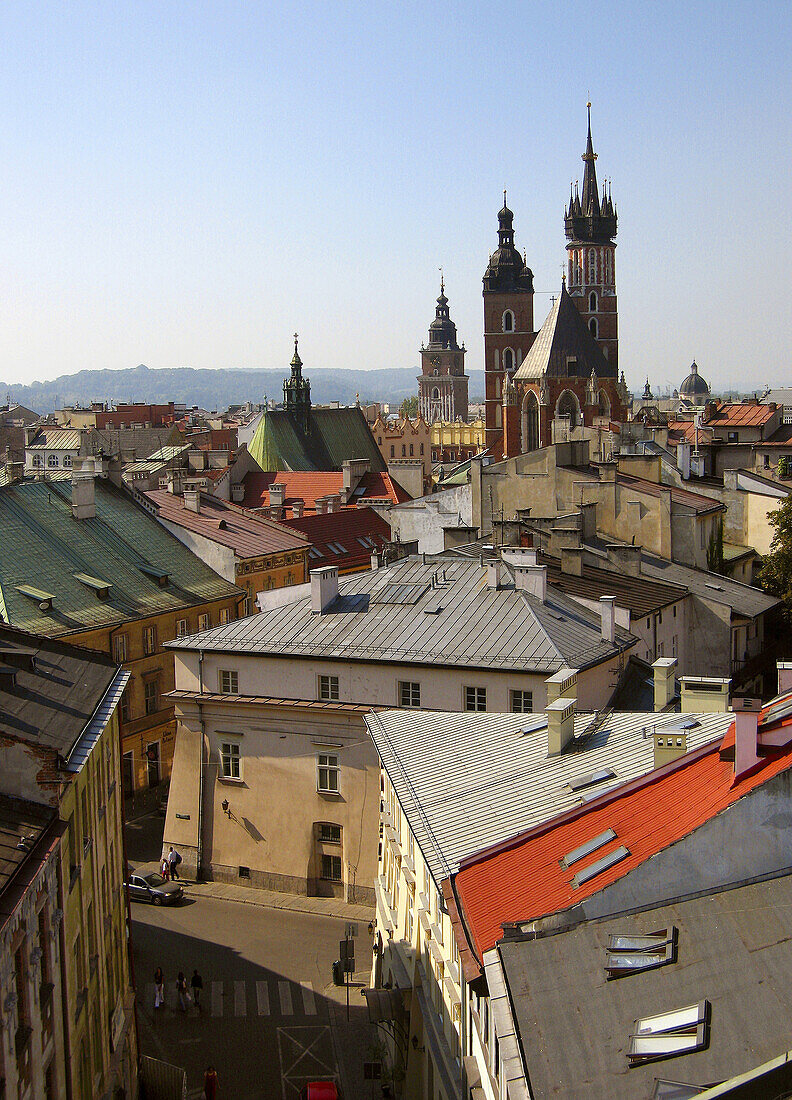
(508, 320)
(590, 223)
(442, 383)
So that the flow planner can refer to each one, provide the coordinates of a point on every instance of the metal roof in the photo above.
(562, 337)
(44, 546)
(19, 818)
(476, 627)
(335, 436)
(93, 731)
(467, 781)
(733, 951)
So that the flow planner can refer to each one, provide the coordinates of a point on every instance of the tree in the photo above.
(409, 407)
(776, 573)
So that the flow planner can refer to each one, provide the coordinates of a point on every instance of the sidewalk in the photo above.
(271, 899)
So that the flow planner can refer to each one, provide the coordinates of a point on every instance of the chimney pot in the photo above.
(746, 724)
(608, 618)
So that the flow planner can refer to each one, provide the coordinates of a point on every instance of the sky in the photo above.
(187, 184)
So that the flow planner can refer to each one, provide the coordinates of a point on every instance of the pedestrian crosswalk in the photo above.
(273, 997)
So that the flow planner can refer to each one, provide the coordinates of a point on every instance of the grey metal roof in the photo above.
(574, 1025)
(18, 818)
(475, 626)
(93, 731)
(466, 781)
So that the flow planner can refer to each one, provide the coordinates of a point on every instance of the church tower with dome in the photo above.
(443, 384)
(694, 390)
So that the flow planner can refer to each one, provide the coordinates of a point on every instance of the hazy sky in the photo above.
(188, 183)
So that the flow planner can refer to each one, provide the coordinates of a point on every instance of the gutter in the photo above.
(199, 854)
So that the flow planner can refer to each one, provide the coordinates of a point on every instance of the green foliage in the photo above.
(776, 574)
(409, 407)
(715, 549)
(783, 466)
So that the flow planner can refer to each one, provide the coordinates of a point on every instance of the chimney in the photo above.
(562, 685)
(192, 500)
(277, 492)
(83, 496)
(321, 506)
(607, 472)
(608, 617)
(324, 588)
(238, 493)
(669, 744)
(560, 725)
(664, 682)
(532, 579)
(334, 503)
(374, 560)
(746, 722)
(784, 676)
(626, 557)
(572, 560)
(704, 695)
(493, 574)
(298, 507)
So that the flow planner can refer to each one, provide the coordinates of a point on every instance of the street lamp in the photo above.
(226, 807)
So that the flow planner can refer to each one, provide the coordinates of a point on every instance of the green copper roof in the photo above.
(45, 549)
(335, 435)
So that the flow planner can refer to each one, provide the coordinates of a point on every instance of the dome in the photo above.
(694, 386)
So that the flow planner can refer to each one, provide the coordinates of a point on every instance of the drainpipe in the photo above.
(200, 768)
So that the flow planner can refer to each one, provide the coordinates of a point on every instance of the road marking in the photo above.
(262, 998)
(240, 1000)
(217, 998)
(284, 991)
(309, 1004)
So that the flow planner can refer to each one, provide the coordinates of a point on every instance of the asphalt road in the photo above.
(264, 1022)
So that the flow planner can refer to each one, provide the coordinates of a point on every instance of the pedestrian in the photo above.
(182, 992)
(196, 984)
(174, 859)
(165, 869)
(210, 1083)
(159, 988)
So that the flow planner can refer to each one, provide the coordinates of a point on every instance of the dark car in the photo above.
(152, 888)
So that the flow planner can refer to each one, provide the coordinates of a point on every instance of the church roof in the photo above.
(564, 336)
(333, 436)
(694, 384)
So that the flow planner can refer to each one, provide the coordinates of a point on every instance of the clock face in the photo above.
(435, 360)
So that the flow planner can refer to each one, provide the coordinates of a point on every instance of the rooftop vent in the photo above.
(590, 779)
(161, 576)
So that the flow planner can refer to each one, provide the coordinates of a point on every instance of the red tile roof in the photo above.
(343, 529)
(248, 535)
(522, 879)
(309, 485)
(741, 415)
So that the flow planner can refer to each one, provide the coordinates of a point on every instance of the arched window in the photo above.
(411, 450)
(592, 302)
(435, 372)
(53, 461)
(67, 460)
(38, 460)
(422, 448)
(508, 321)
(567, 408)
(404, 450)
(508, 360)
(603, 403)
(593, 327)
(393, 451)
(435, 394)
(530, 422)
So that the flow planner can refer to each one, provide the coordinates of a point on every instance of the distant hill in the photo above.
(217, 389)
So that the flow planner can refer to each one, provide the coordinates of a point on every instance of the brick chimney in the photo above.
(560, 725)
(324, 588)
(664, 682)
(608, 618)
(746, 722)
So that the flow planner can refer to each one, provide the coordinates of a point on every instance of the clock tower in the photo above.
(443, 384)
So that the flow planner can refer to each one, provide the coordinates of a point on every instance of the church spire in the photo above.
(297, 391)
(588, 219)
(590, 200)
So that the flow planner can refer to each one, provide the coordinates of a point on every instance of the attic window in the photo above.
(161, 576)
(631, 954)
(222, 525)
(314, 553)
(96, 584)
(670, 1034)
(44, 599)
(603, 864)
(591, 778)
(587, 848)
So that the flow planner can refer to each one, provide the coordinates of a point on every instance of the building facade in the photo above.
(442, 383)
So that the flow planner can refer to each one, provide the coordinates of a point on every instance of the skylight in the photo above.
(587, 848)
(632, 954)
(603, 864)
(670, 1034)
(400, 593)
(591, 778)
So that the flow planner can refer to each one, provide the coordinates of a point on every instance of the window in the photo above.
(411, 450)
(149, 640)
(508, 360)
(521, 702)
(593, 327)
(475, 698)
(151, 695)
(120, 648)
(225, 616)
(67, 461)
(328, 688)
(204, 622)
(393, 451)
(409, 694)
(404, 450)
(229, 760)
(182, 628)
(421, 450)
(632, 954)
(331, 868)
(125, 706)
(592, 302)
(53, 461)
(508, 321)
(329, 834)
(670, 1033)
(327, 773)
(229, 681)
(38, 461)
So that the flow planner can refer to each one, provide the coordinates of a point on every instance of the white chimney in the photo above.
(83, 497)
(192, 500)
(276, 493)
(324, 588)
(664, 682)
(562, 685)
(746, 722)
(238, 493)
(493, 574)
(298, 506)
(669, 744)
(784, 676)
(704, 695)
(333, 503)
(560, 725)
(531, 579)
(608, 617)
(374, 560)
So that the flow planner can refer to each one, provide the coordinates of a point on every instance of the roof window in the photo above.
(675, 1090)
(96, 584)
(603, 864)
(591, 778)
(587, 848)
(44, 599)
(669, 1034)
(631, 954)
(159, 575)
(314, 553)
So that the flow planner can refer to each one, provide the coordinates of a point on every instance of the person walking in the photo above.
(174, 859)
(196, 984)
(210, 1083)
(181, 990)
(159, 988)
(165, 869)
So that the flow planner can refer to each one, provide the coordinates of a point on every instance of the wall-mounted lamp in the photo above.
(371, 927)
(415, 1045)
(226, 807)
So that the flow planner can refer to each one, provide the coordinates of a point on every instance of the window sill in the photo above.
(231, 780)
(328, 794)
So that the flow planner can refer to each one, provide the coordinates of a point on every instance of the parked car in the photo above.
(152, 888)
(320, 1090)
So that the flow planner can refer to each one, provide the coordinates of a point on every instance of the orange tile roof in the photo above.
(343, 529)
(522, 879)
(742, 415)
(309, 485)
